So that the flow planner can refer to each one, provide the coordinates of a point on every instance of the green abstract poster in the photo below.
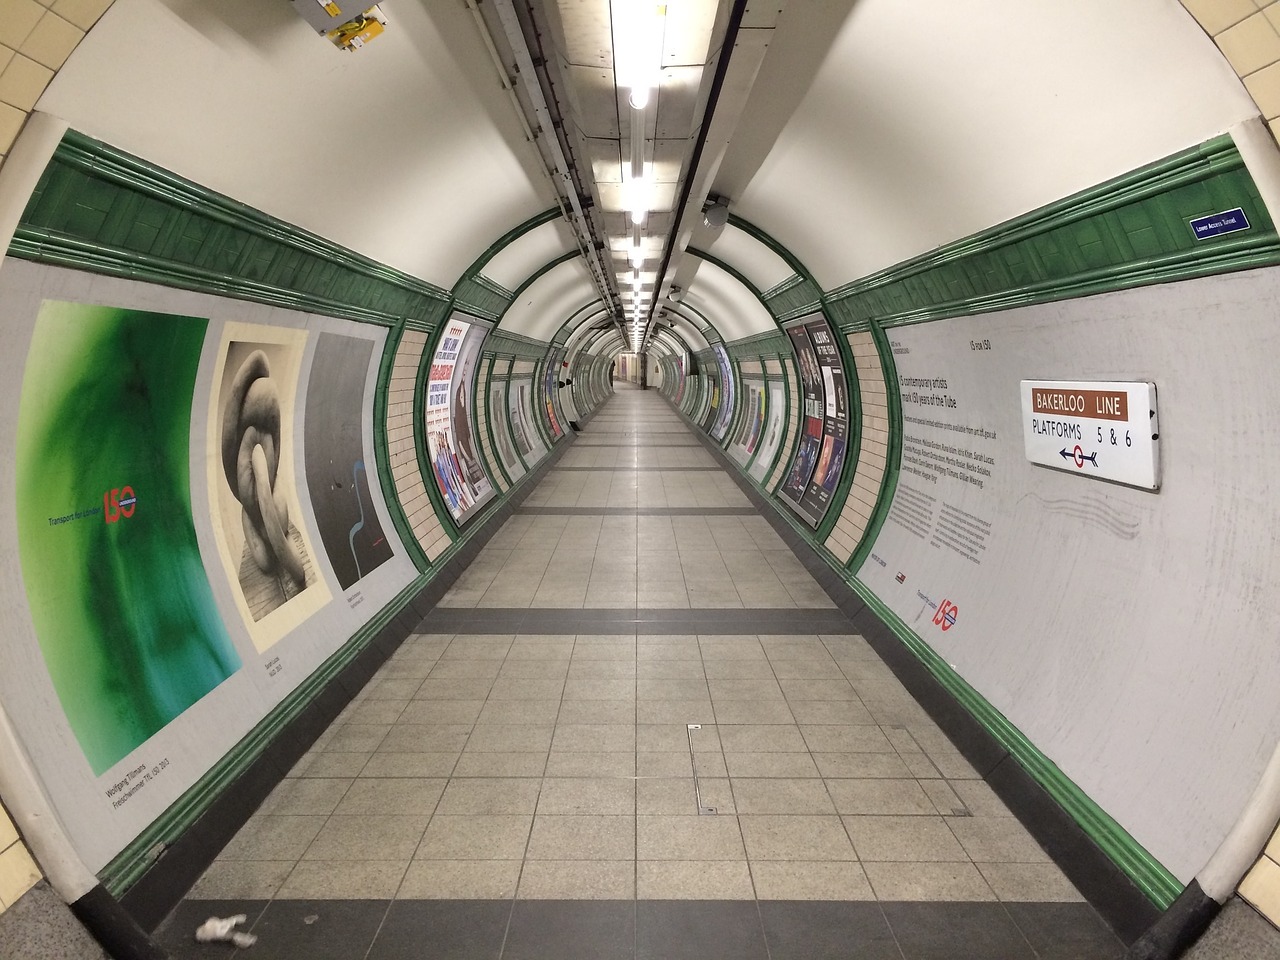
(119, 597)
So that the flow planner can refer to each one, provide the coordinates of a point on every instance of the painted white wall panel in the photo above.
(406, 151)
(1129, 634)
(931, 121)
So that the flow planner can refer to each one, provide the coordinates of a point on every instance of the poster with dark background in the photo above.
(337, 477)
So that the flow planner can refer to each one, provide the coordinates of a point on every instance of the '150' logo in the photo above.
(945, 616)
(118, 503)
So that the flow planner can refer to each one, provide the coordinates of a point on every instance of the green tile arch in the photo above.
(515, 345)
(808, 300)
(100, 209)
(134, 860)
(793, 297)
(1131, 231)
(382, 450)
(484, 297)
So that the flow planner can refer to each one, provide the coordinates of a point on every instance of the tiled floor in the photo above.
(634, 791)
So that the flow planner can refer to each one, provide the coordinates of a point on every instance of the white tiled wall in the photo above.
(36, 37)
(1261, 885)
(873, 452)
(426, 526)
(1248, 34)
(18, 872)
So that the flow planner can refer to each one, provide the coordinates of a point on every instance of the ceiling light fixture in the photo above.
(637, 47)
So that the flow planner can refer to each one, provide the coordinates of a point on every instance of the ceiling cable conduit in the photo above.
(562, 172)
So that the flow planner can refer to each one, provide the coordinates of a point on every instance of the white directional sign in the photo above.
(1101, 430)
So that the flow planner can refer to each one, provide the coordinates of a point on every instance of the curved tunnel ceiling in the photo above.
(410, 153)
(871, 133)
(929, 122)
(543, 306)
(524, 256)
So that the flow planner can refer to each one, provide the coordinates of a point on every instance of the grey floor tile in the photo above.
(578, 880)
(498, 837)
(829, 738)
(344, 880)
(368, 837)
(273, 837)
(509, 738)
(404, 796)
(904, 839)
(425, 738)
(785, 837)
(762, 738)
(880, 796)
(686, 837)
(306, 796)
(501, 765)
(782, 795)
(861, 765)
(1029, 882)
(493, 795)
(241, 880)
(588, 795)
(693, 880)
(770, 765)
(460, 880)
(412, 765)
(591, 763)
(996, 840)
(331, 766)
(598, 712)
(582, 838)
(753, 711)
(810, 880)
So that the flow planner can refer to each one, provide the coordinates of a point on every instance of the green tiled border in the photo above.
(1150, 876)
(99, 209)
(135, 859)
(1131, 231)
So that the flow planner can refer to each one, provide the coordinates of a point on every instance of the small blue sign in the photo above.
(1215, 225)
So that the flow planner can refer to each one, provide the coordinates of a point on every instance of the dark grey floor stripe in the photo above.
(626, 620)
(514, 929)
(648, 470)
(642, 511)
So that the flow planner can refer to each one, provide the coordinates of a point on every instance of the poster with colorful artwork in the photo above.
(451, 444)
(334, 458)
(122, 607)
(257, 516)
(725, 415)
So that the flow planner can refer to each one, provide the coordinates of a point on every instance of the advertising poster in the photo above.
(122, 607)
(811, 423)
(747, 435)
(455, 461)
(254, 498)
(549, 391)
(725, 415)
(714, 395)
(835, 426)
(680, 380)
(502, 431)
(520, 403)
(772, 432)
(334, 445)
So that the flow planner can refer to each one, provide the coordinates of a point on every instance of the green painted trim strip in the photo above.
(1132, 231)
(1147, 873)
(132, 862)
(537, 220)
(99, 209)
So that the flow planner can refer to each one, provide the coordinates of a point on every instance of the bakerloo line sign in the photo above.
(1098, 429)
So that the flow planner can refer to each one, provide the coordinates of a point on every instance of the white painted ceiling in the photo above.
(874, 131)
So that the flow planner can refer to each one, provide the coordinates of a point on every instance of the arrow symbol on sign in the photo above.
(1066, 455)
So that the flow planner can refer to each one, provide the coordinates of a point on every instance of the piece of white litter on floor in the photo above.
(217, 929)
